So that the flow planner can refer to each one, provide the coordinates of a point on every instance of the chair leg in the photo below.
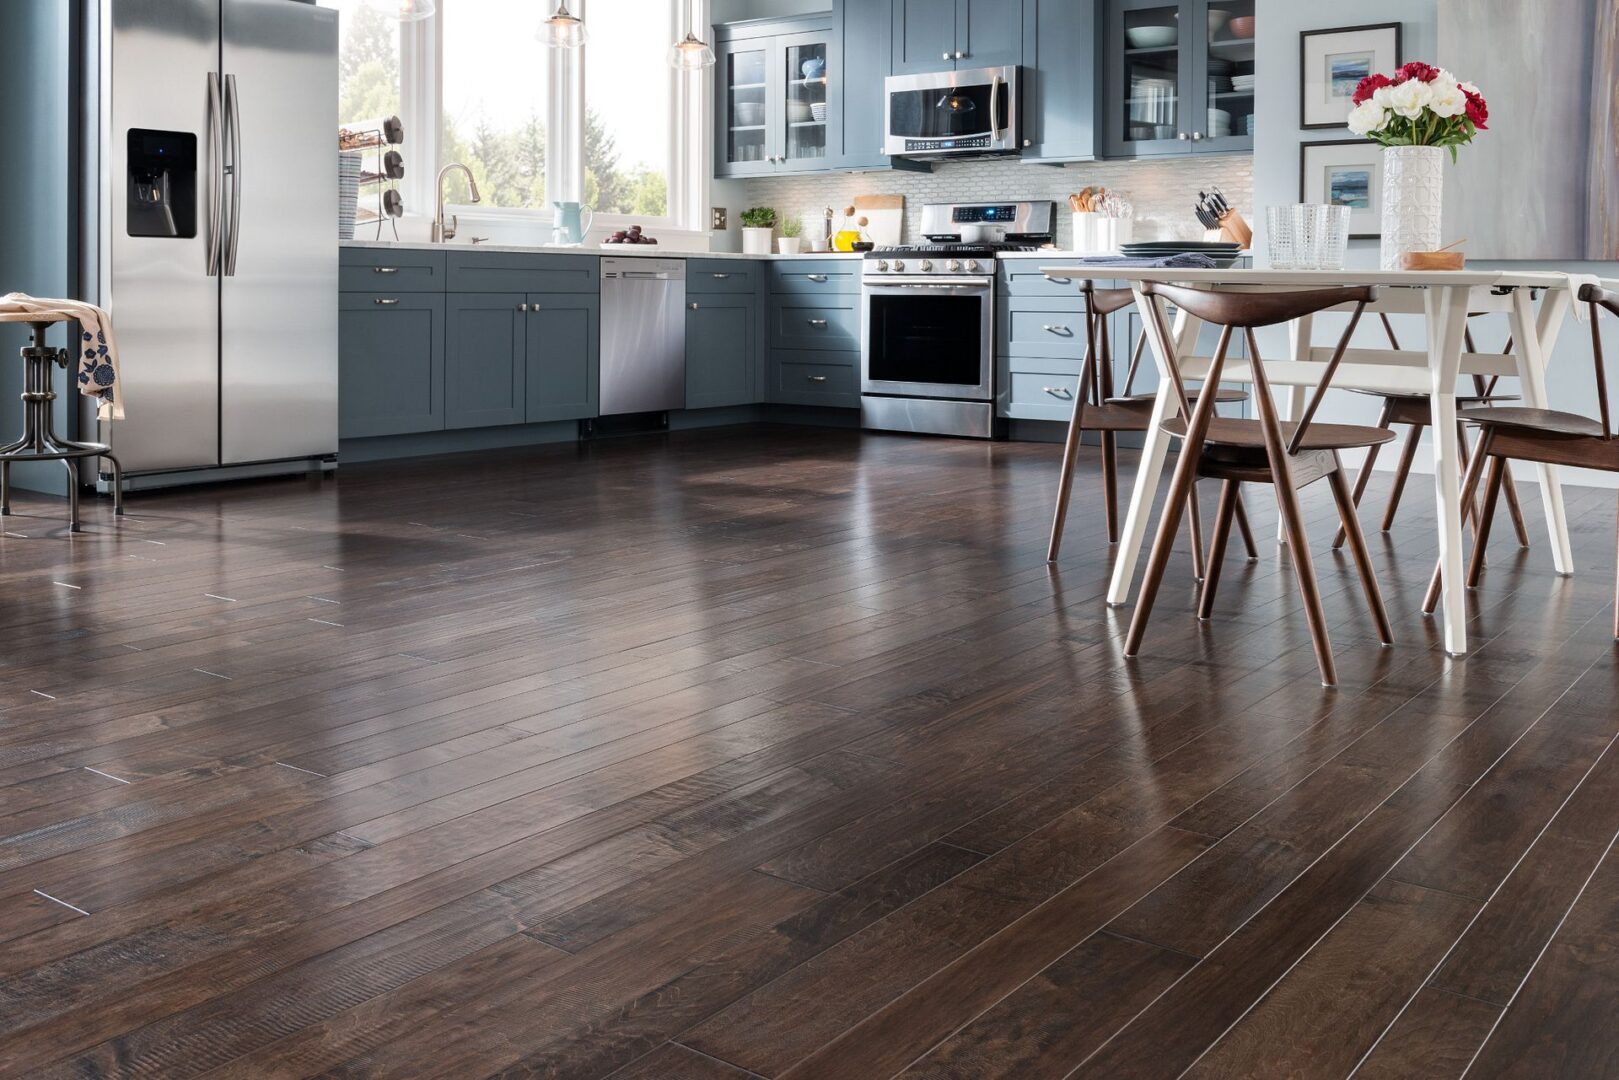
(1110, 483)
(1616, 588)
(1298, 546)
(1431, 599)
(1222, 534)
(1362, 556)
(1163, 544)
(1242, 526)
(1364, 477)
(1408, 454)
(1463, 457)
(1194, 529)
(1481, 538)
(1510, 490)
(1065, 482)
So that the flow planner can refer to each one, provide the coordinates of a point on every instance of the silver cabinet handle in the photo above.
(385, 303)
(961, 56)
(722, 277)
(1197, 136)
(1058, 329)
(385, 269)
(817, 323)
(1058, 280)
(816, 378)
(817, 278)
(522, 307)
(1183, 136)
(1058, 391)
(944, 56)
(694, 305)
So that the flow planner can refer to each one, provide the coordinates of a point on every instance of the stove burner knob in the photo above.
(926, 265)
(882, 264)
(899, 264)
(954, 266)
(972, 265)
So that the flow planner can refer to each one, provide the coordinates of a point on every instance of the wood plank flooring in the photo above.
(780, 752)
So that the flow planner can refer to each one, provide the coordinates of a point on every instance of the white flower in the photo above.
(1384, 96)
(1367, 117)
(1467, 88)
(1410, 98)
(1446, 100)
(1445, 79)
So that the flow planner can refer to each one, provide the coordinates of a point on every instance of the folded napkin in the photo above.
(1186, 260)
(97, 349)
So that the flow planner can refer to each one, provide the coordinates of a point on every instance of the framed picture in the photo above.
(1345, 172)
(1333, 62)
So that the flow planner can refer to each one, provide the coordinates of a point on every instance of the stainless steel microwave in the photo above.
(951, 113)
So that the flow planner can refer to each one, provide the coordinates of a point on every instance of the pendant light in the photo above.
(691, 53)
(415, 10)
(563, 30)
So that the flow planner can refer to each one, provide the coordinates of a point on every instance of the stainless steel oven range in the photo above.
(927, 318)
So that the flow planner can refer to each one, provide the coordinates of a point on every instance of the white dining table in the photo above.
(1534, 302)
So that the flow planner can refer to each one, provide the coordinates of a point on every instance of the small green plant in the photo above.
(759, 217)
(792, 227)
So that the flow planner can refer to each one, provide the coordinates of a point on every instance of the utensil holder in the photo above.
(1097, 234)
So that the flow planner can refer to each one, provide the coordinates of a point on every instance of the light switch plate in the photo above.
(717, 221)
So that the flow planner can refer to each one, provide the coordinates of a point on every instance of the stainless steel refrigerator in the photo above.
(211, 230)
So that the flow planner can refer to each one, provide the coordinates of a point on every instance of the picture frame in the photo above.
(1345, 172)
(1331, 64)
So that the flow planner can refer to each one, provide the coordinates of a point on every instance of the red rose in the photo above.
(1369, 86)
(1416, 69)
(1477, 111)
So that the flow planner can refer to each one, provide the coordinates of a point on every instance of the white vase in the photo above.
(756, 241)
(1413, 196)
(788, 245)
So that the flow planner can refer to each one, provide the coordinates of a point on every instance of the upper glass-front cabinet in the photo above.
(1180, 77)
(771, 97)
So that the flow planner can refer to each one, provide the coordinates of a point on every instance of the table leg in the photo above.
(1446, 309)
(1153, 453)
(1530, 342)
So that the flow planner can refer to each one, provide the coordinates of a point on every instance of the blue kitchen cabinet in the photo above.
(924, 36)
(562, 357)
(391, 367)
(485, 368)
(1177, 80)
(863, 40)
(772, 107)
(1059, 91)
(721, 337)
(949, 35)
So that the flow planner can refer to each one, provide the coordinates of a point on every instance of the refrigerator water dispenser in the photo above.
(162, 183)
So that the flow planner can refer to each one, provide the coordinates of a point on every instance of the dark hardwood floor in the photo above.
(781, 752)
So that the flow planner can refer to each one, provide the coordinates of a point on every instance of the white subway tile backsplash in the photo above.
(1162, 191)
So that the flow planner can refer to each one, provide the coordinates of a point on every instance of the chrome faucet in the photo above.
(442, 232)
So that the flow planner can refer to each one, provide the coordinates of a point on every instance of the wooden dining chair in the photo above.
(1097, 409)
(1287, 455)
(1414, 411)
(1544, 436)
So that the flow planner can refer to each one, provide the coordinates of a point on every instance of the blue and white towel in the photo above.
(96, 349)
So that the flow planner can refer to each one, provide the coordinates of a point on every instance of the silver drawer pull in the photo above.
(816, 378)
(722, 277)
(522, 307)
(817, 323)
(385, 269)
(694, 305)
(1058, 391)
(1058, 280)
(385, 303)
(819, 278)
(1057, 328)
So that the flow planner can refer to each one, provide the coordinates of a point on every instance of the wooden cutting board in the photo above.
(886, 214)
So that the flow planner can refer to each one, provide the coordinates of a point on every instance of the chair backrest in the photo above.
(1247, 310)
(1599, 297)
(1096, 374)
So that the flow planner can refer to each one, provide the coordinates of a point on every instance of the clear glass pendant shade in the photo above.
(416, 10)
(690, 54)
(563, 30)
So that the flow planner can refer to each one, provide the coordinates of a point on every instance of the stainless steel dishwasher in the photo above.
(643, 335)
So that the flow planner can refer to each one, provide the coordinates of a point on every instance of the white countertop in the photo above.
(614, 250)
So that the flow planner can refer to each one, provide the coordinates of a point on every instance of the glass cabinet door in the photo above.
(744, 81)
(1150, 46)
(1227, 122)
(803, 59)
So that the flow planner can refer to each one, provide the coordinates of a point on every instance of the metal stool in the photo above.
(39, 440)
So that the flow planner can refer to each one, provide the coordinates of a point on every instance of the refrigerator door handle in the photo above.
(233, 118)
(216, 175)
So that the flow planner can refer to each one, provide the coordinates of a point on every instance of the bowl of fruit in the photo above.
(631, 235)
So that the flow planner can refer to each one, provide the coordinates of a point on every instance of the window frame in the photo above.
(421, 48)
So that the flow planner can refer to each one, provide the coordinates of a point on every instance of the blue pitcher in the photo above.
(571, 223)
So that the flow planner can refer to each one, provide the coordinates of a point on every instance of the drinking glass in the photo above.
(1279, 236)
(1309, 225)
(1334, 236)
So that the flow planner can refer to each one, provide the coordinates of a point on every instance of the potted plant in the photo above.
(792, 230)
(757, 225)
(1415, 116)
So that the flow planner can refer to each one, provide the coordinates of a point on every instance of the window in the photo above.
(629, 91)
(368, 60)
(494, 98)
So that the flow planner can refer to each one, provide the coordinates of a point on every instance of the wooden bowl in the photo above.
(1432, 260)
(1242, 27)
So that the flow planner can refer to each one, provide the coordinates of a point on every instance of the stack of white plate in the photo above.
(1219, 123)
(1242, 83)
(348, 192)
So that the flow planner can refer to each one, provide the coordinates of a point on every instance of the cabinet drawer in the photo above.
(1021, 277)
(497, 271)
(824, 278)
(817, 383)
(1040, 395)
(373, 269)
(710, 276)
(811, 324)
(1057, 334)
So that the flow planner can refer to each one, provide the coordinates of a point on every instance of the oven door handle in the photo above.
(965, 285)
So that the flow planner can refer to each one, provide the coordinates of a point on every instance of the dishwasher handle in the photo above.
(648, 275)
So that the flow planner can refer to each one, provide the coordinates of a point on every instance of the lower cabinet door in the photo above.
(719, 351)
(390, 364)
(563, 356)
(484, 351)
